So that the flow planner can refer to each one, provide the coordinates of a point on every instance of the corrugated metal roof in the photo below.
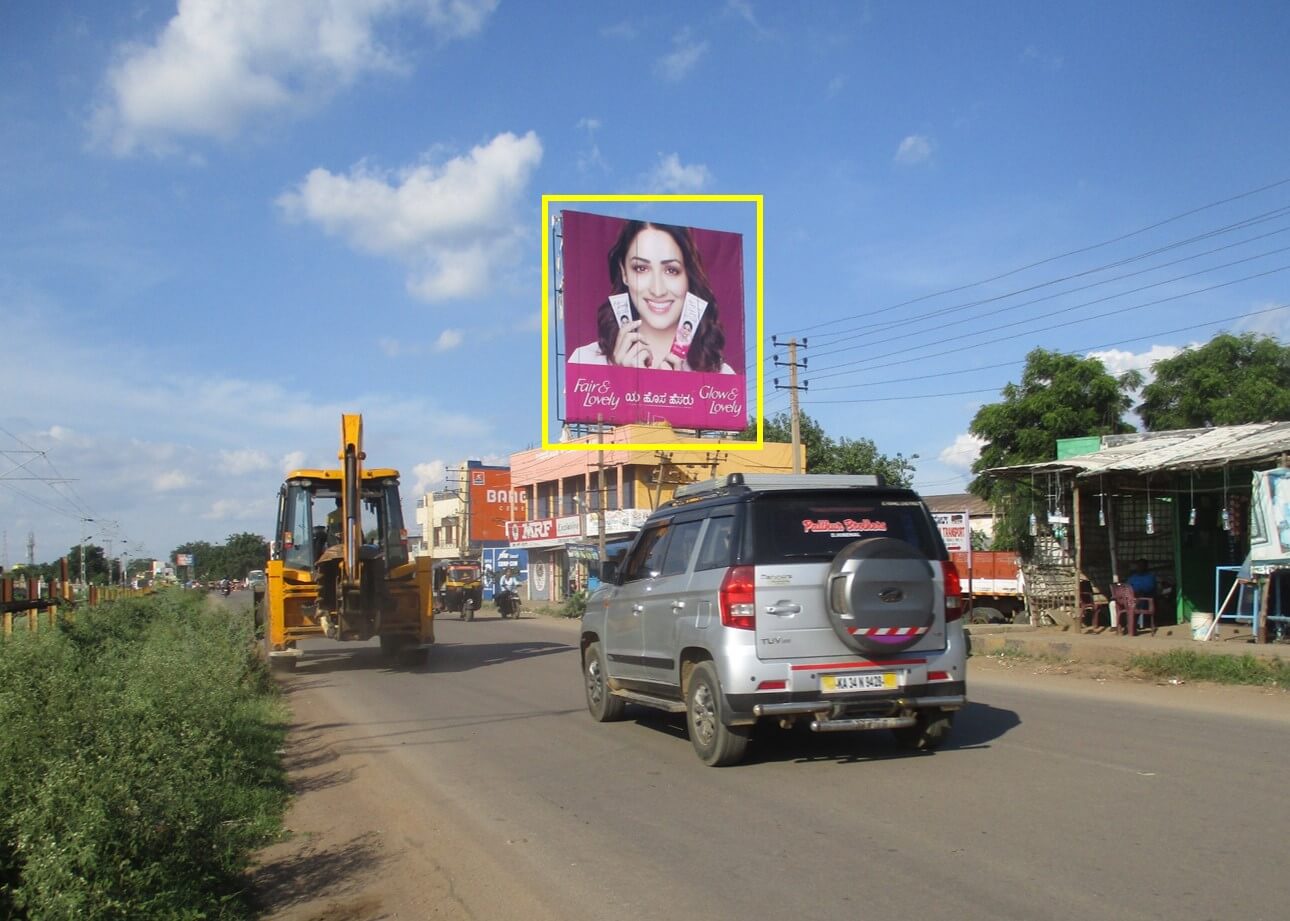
(1188, 449)
(958, 502)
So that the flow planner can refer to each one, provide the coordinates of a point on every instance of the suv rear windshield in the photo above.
(788, 528)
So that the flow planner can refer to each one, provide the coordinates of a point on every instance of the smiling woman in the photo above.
(661, 312)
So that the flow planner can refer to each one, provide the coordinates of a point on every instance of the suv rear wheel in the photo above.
(714, 742)
(603, 706)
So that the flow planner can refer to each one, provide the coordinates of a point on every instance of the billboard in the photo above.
(956, 530)
(653, 319)
(492, 503)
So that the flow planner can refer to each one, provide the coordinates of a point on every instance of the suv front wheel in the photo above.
(715, 743)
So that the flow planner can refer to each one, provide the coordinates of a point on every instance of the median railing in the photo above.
(26, 603)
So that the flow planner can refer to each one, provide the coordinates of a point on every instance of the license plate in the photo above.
(881, 681)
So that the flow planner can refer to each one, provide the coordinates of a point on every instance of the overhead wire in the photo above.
(1072, 352)
(1074, 252)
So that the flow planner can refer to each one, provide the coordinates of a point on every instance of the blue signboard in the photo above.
(499, 559)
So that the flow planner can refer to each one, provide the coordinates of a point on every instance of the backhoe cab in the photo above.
(329, 577)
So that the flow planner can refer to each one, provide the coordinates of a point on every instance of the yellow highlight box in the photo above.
(549, 445)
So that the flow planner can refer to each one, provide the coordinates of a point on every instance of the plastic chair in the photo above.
(1129, 605)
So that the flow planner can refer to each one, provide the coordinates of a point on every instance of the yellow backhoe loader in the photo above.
(327, 577)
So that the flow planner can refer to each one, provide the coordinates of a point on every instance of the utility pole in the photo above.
(600, 488)
(663, 458)
(795, 414)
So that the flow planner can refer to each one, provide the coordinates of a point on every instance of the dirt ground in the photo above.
(357, 852)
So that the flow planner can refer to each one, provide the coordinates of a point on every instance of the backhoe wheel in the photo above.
(603, 706)
(716, 744)
(391, 643)
(931, 731)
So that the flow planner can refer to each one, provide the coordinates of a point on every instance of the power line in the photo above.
(842, 368)
(1069, 253)
(1074, 352)
(828, 350)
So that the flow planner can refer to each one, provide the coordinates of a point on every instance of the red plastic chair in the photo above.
(1128, 605)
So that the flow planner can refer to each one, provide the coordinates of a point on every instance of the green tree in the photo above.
(242, 553)
(1059, 396)
(97, 570)
(1230, 380)
(208, 560)
(824, 454)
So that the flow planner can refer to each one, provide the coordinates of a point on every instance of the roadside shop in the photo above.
(1180, 501)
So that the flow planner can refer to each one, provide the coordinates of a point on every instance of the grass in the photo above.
(139, 763)
(1197, 666)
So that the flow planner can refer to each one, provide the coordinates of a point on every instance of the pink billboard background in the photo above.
(618, 394)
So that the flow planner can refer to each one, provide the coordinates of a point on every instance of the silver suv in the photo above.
(780, 598)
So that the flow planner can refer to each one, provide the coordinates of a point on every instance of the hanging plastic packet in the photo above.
(1034, 526)
(1151, 524)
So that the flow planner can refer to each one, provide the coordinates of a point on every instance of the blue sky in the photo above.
(228, 221)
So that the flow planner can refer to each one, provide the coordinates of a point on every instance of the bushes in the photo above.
(138, 763)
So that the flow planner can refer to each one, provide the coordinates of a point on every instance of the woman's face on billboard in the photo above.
(654, 271)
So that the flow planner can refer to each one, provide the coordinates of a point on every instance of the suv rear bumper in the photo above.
(943, 695)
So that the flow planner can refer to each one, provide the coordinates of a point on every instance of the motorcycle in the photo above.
(508, 603)
(225, 589)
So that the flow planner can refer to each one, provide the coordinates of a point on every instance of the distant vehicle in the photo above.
(462, 587)
(828, 600)
(256, 580)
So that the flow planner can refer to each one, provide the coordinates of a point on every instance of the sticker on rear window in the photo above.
(845, 526)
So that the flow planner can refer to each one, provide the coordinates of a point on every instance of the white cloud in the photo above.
(255, 511)
(429, 476)
(743, 9)
(448, 339)
(219, 63)
(1118, 361)
(1045, 59)
(452, 225)
(1269, 322)
(671, 175)
(242, 461)
(159, 486)
(620, 31)
(590, 157)
(917, 148)
(836, 85)
(963, 452)
(685, 54)
(169, 481)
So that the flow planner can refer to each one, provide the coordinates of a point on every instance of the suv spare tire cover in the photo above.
(881, 595)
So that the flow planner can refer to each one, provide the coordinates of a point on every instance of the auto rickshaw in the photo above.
(463, 587)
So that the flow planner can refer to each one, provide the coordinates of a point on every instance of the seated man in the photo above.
(1143, 583)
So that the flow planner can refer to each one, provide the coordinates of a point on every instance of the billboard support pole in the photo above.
(600, 484)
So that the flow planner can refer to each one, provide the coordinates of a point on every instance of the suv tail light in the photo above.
(953, 590)
(737, 599)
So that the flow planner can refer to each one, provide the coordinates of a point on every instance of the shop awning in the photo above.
(1188, 449)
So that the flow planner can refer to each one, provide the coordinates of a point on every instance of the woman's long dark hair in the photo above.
(709, 339)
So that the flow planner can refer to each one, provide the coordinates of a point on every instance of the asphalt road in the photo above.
(1050, 801)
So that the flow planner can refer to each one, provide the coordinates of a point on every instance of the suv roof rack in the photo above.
(769, 481)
